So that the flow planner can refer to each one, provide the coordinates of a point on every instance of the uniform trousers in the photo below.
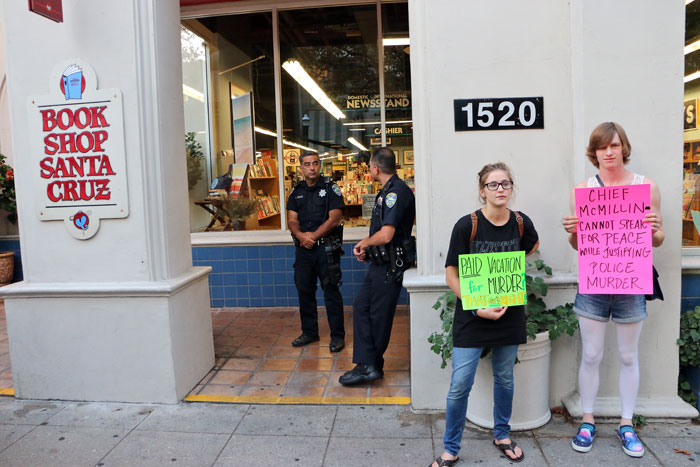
(373, 315)
(312, 264)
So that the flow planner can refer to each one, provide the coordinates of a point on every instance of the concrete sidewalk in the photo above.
(34, 433)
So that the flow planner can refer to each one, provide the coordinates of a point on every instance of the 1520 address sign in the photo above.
(509, 113)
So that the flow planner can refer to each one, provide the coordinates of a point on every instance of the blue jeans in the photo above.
(464, 363)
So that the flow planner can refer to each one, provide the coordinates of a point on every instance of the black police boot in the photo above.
(337, 344)
(303, 340)
(362, 373)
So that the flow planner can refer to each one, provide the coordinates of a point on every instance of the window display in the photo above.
(328, 101)
(691, 133)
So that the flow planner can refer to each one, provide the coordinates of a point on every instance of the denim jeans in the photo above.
(464, 363)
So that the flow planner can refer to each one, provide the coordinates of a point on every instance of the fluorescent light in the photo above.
(297, 72)
(687, 2)
(357, 144)
(691, 77)
(192, 92)
(288, 143)
(357, 129)
(396, 41)
(265, 132)
(691, 47)
(378, 123)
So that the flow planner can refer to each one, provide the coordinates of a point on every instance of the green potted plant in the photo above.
(195, 156)
(689, 356)
(8, 204)
(532, 373)
(238, 210)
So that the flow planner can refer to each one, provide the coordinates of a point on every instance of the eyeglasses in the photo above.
(493, 186)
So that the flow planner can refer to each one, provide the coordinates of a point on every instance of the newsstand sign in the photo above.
(78, 158)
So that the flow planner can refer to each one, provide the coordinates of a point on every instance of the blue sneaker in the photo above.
(583, 441)
(630, 443)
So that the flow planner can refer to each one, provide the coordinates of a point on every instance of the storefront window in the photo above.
(329, 102)
(397, 87)
(194, 95)
(691, 134)
(335, 48)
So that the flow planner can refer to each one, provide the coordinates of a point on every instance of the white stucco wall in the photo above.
(122, 316)
(631, 72)
(592, 61)
(115, 53)
(5, 136)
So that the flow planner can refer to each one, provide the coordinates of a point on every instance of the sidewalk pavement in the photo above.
(53, 433)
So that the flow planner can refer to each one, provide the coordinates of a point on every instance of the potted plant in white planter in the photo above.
(531, 374)
(9, 205)
(689, 355)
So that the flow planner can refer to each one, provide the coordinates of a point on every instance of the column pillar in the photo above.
(121, 315)
(589, 60)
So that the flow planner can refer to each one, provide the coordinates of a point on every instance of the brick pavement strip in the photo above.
(96, 434)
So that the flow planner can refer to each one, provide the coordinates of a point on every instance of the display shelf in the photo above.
(268, 216)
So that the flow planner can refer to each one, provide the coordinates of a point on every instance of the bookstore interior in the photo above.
(691, 132)
(259, 90)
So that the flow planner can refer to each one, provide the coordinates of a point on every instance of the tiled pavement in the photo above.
(54, 433)
(50, 433)
(255, 359)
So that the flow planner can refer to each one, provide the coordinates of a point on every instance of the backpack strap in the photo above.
(521, 224)
(475, 221)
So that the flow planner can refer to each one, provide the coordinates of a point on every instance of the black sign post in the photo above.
(508, 113)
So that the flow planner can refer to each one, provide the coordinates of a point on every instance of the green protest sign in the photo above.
(492, 279)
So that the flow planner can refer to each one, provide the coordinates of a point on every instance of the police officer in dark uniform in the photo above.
(314, 211)
(390, 250)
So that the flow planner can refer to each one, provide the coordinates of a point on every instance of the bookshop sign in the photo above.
(77, 150)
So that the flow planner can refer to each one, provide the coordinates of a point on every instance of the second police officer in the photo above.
(390, 250)
(314, 212)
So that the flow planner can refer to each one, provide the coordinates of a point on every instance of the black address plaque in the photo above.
(508, 113)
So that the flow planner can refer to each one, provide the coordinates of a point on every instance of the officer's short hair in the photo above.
(384, 159)
(306, 153)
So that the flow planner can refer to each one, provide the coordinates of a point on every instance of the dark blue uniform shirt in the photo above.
(395, 205)
(313, 203)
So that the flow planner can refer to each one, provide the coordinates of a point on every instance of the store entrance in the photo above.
(259, 89)
(256, 363)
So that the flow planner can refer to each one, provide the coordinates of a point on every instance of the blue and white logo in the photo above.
(391, 200)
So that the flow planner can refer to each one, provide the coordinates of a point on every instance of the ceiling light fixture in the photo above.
(265, 132)
(192, 92)
(691, 47)
(396, 41)
(288, 143)
(691, 77)
(357, 144)
(298, 72)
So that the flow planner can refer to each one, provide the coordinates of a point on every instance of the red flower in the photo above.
(10, 175)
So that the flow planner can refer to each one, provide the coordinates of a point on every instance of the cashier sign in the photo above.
(78, 158)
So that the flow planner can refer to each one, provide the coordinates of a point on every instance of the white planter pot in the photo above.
(531, 381)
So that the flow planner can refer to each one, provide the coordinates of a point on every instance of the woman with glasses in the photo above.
(493, 228)
(609, 151)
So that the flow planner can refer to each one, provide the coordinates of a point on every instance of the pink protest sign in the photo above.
(614, 244)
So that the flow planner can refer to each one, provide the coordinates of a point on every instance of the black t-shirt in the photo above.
(469, 330)
(310, 203)
(395, 205)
